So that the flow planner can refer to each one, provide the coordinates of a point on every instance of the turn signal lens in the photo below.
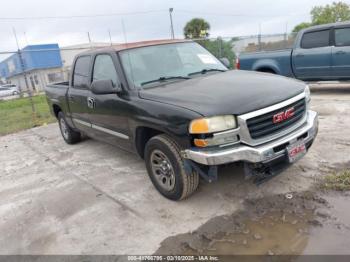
(212, 124)
(200, 142)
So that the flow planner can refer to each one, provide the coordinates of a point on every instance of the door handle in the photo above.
(300, 55)
(340, 53)
(91, 102)
(71, 98)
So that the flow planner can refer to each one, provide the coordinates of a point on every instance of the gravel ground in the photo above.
(92, 198)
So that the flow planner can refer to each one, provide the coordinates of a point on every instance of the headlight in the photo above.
(214, 131)
(212, 124)
(307, 93)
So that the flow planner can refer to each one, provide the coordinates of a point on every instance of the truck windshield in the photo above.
(151, 63)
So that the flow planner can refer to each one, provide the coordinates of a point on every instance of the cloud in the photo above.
(227, 18)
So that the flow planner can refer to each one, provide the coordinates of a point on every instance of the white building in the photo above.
(42, 65)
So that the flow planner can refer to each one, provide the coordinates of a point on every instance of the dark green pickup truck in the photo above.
(182, 111)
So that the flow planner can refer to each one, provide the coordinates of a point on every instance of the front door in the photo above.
(341, 53)
(109, 117)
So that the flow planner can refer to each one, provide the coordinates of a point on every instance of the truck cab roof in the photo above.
(325, 26)
(126, 46)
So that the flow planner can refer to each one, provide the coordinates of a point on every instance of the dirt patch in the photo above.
(273, 225)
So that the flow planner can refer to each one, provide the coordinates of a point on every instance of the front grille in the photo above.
(261, 126)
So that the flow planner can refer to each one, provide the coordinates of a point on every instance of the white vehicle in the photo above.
(9, 90)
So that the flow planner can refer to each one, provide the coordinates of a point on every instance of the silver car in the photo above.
(9, 90)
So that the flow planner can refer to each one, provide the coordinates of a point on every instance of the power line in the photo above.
(235, 15)
(139, 13)
(80, 16)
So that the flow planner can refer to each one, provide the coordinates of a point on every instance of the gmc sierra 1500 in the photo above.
(182, 111)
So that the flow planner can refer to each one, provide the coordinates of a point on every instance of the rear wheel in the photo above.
(267, 71)
(166, 169)
(68, 134)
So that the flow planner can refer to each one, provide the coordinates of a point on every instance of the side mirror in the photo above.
(225, 61)
(104, 87)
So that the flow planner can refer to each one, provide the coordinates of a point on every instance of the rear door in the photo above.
(109, 117)
(341, 53)
(313, 58)
(79, 92)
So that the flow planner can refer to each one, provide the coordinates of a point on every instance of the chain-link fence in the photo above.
(231, 47)
(25, 73)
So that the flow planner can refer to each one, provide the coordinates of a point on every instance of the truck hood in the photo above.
(233, 92)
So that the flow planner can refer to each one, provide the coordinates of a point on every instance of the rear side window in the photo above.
(81, 71)
(104, 69)
(342, 37)
(315, 39)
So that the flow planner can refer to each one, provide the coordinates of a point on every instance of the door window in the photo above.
(315, 39)
(342, 37)
(81, 72)
(104, 69)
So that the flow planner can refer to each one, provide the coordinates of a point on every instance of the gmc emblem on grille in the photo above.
(282, 116)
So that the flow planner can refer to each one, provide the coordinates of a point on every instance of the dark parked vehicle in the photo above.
(182, 111)
(319, 53)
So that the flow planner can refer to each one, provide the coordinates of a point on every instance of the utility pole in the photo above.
(171, 23)
(23, 69)
(286, 36)
(88, 35)
(110, 37)
(259, 37)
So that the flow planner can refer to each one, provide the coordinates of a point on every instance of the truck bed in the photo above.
(57, 94)
(279, 62)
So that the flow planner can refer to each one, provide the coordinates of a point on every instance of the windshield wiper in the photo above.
(204, 71)
(164, 78)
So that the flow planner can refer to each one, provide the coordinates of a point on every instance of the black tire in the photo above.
(69, 135)
(267, 71)
(184, 184)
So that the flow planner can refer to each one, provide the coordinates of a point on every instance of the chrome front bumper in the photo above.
(258, 154)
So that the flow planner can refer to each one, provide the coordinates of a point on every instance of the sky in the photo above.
(134, 20)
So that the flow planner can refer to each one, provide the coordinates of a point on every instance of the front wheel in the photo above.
(166, 169)
(68, 134)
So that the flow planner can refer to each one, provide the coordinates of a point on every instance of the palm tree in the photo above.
(197, 28)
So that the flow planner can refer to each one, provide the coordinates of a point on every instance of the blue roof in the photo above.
(34, 57)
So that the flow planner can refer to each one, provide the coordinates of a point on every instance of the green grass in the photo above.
(16, 114)
(338, 181)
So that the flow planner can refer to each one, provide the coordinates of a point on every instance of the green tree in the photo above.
(220, 48)
(301, 26)
(336, 12)
(197, 28)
